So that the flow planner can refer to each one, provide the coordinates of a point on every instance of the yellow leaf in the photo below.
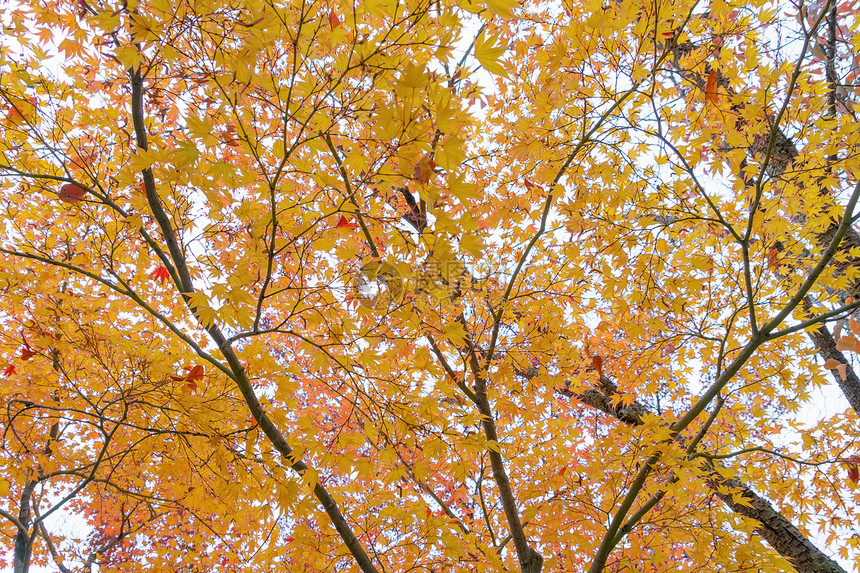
(451, 154)
(461, 189)
(455, 332)
(502, 7)
(200, 129)
(470, 243)
(488, 54)
(413, 76)
(200, 303)
(128, 56)
(185, 155)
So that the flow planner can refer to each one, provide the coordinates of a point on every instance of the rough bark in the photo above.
(774, 528)
(825, 344)
(780, 534)
(783, 153)
(23, 542)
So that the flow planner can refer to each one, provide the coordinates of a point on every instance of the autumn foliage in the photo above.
(463, 285)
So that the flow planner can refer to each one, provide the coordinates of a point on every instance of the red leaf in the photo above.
(70, 193)
(711, 87)
(9, 370)
(27, 353)
(345, 223)
(333, 19)
(530, 186)
(196, 373)
(853, 470)
(160, 274)
(597, 362)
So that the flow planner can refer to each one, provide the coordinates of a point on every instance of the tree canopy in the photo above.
(411, 285)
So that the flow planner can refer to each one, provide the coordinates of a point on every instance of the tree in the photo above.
(400, 286)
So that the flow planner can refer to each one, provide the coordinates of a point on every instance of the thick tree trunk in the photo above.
(782, 155)
(23, 543)
(850, 384)
(779, 533)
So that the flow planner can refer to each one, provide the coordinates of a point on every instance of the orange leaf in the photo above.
(772, 257)
(9, 370)
(831, 364)
(27, 353)
(22, 110)
(847, 343)
(424, 169)
(711, 87)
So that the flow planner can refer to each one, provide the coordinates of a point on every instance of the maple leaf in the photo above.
(711, 87)
(489, 51)
(27, 352)
(530, 186)
(457, 367)
(21, 110)
(853, 470)
(195, 373)
(424, 169)
(344, 222)
(160, 274)
(597, 363)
